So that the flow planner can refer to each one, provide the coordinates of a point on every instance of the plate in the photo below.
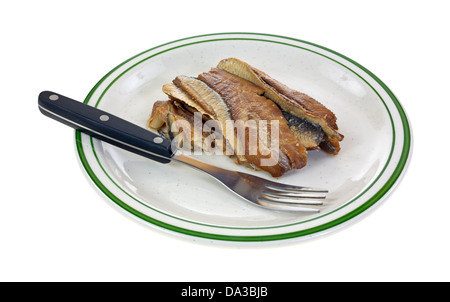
(178, 199)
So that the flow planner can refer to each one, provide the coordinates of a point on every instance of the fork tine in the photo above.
(312, 194)
(293, 198)
(267, 203)
(289, 188)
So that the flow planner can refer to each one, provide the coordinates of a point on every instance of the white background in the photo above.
(54, 226)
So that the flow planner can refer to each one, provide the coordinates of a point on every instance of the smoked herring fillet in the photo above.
(246, 103)
(306, 116)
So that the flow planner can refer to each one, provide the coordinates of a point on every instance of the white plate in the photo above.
(375, 151)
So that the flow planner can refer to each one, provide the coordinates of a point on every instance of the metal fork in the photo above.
(126, 135)
(259, 191)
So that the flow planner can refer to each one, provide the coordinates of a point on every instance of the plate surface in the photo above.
(374, 155)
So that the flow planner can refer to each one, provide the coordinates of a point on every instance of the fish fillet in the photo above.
(292, 102)
(246, 103)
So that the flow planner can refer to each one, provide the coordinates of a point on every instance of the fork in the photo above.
(131, 137)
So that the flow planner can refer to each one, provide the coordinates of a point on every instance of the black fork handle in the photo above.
(105, 126)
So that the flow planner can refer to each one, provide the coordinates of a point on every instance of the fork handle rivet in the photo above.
(104, 117)
(53, 97)
(158, 140)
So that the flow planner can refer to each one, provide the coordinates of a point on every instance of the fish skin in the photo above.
(290, 101)
(306, 132)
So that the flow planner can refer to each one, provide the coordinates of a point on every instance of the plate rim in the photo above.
(377, 197)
